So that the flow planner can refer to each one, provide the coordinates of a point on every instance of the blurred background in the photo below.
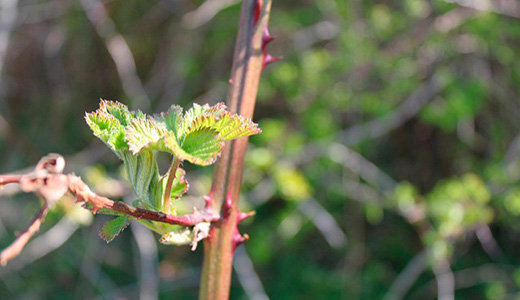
(388, 165)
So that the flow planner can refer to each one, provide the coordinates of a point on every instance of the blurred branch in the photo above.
(470, 277)
(247, 276)
(16, 247)
(91, 270)
(321, 31)
(205, 12)
(8, 15)
(119, 51)
(149, 279)
(407, 277)
(43, 245)
(40, 12)
(445, 280)
(324, 221)
(510, 8)
(488, 242)
(361, 166)
(362, 192)
(380, 127)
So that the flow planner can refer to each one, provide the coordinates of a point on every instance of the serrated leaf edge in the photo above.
(107, 238)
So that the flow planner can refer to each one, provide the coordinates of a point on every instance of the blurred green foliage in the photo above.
(390, 131)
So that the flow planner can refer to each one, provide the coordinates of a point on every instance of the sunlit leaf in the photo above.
(201, 147)
(144, 133)
(171, 119)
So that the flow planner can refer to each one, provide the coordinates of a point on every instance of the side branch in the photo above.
(16, 247)
(48, 182)
(83, 194)
(5, 179)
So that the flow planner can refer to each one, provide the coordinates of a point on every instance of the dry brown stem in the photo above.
(47, 181)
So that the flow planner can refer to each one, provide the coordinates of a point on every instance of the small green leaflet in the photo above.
(112, 228)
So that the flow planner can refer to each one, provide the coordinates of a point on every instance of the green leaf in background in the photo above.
(292, 184)
(461, 101)
(459, 203)
(113, 228)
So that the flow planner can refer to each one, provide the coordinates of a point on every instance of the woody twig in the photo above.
(48, 182)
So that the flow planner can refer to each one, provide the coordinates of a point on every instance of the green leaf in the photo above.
(113, 228)
(108, 124)
(198, 111)
(201, 147)
(199, 137)
(229, 126)
(143, 174)
(232, 126)
(144, 133)
(172, 119)
(120, 112)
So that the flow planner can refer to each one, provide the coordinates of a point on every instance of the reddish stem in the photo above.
(78, 188)
(17, 246)
(224, 237)
(169, 184)
(5, 179)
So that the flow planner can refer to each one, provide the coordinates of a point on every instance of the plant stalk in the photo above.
(169, 184)
(223, 239)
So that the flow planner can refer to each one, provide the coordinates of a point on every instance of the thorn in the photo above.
(230, 81)
(268, 59)
(208, 200)
(229, 201)
(227, 206)
(242, 216)
(239, 239)
(266, 37)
